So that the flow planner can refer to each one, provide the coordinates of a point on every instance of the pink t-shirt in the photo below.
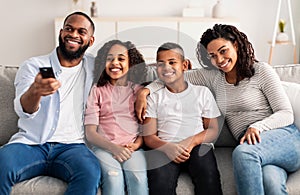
(112, 108)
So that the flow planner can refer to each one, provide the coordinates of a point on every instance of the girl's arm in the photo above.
(136, 144)
(119, 152)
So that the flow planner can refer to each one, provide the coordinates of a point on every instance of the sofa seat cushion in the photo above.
(40, 185)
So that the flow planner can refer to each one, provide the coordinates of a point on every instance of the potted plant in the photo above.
(282, 36)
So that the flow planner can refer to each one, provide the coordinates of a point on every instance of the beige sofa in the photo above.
(224, 145)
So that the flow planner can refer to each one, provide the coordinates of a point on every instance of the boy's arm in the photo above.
(208, 135)
(175, 152)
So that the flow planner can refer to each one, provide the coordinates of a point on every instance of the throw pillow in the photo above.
(293, 92)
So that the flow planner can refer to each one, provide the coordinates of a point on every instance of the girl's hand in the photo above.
(121, 153)
(132, 146)
(252, 136)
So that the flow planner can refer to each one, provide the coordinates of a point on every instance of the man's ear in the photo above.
(92, 40)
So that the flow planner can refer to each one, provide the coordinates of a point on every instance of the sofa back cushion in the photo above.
(293, 92)
(289, 72)
(8, 117)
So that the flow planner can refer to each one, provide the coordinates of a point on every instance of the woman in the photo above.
(256, 108)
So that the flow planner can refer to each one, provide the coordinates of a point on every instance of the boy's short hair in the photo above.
(169, 46)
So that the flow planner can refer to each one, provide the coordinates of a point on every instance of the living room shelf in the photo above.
(274, 41)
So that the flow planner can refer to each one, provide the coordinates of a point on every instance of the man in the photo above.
(50, 140)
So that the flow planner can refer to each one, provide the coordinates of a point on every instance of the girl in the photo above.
(110, 122)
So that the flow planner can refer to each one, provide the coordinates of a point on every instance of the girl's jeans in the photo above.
(261, 168)
(72, 163)
(130, 175)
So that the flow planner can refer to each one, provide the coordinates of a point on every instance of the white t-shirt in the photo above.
(71, 106)
(179, 115)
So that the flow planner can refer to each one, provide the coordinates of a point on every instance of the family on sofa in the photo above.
(51, 140)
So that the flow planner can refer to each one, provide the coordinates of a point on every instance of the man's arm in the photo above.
(30, 100)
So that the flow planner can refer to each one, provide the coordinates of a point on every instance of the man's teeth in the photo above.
(73, 42)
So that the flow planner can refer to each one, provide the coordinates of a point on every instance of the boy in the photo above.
(180, 119)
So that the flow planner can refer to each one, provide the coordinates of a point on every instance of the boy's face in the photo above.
(170, 66)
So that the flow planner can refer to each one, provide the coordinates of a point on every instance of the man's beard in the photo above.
(70, 55)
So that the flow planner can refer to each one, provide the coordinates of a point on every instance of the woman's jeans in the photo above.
(202, 167)
(72, 163)
(261, 168)
(130, 175)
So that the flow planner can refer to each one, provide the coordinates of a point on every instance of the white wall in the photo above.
(27, 27)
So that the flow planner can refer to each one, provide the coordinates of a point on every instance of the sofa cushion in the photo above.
(289, 72)
(293, 92)
(8, 117)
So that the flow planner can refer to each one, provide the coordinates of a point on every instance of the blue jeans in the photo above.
(261, 168)
(115, 175)
(72, 163)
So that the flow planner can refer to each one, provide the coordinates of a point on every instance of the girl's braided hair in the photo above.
(137, 66)
(245, 51)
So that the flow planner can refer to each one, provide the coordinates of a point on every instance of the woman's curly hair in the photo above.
(245, 52)
(137, 67)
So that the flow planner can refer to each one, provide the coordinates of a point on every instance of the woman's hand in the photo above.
(252, 136)
(141, 104)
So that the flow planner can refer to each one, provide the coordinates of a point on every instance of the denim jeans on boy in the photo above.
(130, 175)
(261, 168)
(72, 163)
(201, 167)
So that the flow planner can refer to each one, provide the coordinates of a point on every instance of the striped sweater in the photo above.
(259, 102)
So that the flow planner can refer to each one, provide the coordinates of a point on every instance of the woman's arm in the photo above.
(272, 89)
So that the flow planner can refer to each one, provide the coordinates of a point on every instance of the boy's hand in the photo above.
(187, 143)
(141, 104)
(177, 153)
